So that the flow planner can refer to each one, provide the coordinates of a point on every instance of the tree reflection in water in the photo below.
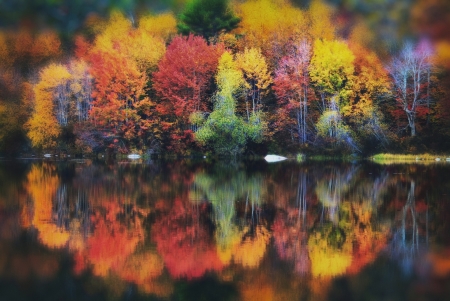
(410, 231)
(242, 239)
(290, 228)
(284, 231)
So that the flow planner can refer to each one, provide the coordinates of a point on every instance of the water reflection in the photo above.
(410, 233)
(242, 239)
(277, 232)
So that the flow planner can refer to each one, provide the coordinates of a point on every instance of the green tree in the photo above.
(226, 132)
(207, 18)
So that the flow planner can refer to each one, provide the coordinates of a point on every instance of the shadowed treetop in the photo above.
(207, 18)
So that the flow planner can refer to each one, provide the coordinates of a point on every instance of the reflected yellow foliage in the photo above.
(252, 250)
(42, 185)
(52, 235)
(327, 261)
(320, 289)
(227, 243)
(143, 269)
(77, 241)
(158, 288)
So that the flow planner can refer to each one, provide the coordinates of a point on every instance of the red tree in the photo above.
(184, 77)
(291, 85)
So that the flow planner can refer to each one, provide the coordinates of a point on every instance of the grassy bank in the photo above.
(385, 158)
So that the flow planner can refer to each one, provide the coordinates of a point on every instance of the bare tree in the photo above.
(410, 72)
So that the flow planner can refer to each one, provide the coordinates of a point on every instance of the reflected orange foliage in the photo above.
(143, 269)
(440, 262)
(110, 250)
(255, 292)
(367, 241)
(111, 242)
(184, 242)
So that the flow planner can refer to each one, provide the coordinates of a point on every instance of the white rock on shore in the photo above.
(274, 158)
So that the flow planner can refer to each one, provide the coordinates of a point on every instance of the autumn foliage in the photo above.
(314, 79)
(182, 233)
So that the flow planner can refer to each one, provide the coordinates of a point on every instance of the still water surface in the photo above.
(193, 230)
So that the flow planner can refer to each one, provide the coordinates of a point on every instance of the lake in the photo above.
(199, 230)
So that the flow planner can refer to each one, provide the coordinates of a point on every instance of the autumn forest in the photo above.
(226, 78)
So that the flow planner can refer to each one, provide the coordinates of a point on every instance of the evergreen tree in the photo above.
(207, 18)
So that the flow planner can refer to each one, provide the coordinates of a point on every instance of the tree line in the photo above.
(224, 78)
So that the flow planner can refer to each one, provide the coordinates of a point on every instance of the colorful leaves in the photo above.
(44, 126)
(331, 68)
(185, 73)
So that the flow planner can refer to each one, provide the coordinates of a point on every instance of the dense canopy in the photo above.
(224, 77)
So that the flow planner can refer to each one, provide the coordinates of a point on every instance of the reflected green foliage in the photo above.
(330, 190)
(223, 188)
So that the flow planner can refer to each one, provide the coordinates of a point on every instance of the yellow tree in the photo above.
(331, 71)
(50, 107)
(161, 25)
(320, 21)
(269, 25)
(257, 77)
(142, 44)
(370, 83)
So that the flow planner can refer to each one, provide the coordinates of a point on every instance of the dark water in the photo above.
(191, 230)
